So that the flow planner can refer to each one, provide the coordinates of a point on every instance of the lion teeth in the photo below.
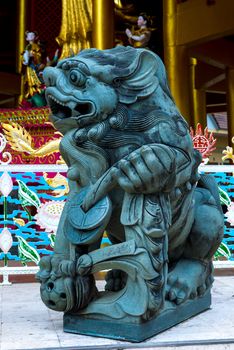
(57, 101)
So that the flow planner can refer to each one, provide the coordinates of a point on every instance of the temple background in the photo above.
(195, 38)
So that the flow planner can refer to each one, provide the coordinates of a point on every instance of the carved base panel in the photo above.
(170, 316)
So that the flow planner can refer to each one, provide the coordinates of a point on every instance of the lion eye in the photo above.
(77, 78)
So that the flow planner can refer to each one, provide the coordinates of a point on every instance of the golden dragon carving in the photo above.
(20, 140)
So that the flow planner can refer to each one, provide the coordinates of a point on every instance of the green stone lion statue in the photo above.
(133, 173)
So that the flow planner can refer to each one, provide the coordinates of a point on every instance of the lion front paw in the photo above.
(188, 280)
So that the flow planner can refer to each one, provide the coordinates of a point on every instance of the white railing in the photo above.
(34, 168)
(7, 271)
(217, 168)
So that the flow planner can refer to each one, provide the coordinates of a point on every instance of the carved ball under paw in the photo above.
(66, 294)
(115, 280)
(58, 294)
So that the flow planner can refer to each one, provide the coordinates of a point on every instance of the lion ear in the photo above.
(142, 80)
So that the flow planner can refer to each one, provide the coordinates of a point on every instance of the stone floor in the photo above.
(27, 324)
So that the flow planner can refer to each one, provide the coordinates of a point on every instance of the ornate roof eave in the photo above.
(28, 116)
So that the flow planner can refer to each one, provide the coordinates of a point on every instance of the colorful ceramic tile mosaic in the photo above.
(30, 208)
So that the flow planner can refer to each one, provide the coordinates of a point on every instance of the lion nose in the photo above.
(50, 75)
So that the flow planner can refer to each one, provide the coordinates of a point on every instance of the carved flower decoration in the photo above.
(228, 153)
(5, 240)
(230, 214)
(204, 142)
(6, 184)
(48, 215)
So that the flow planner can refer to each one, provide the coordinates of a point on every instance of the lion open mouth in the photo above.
(64, 110)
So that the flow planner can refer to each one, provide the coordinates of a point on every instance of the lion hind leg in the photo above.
(191, 275)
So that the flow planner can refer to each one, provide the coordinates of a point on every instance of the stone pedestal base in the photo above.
(170, 316)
